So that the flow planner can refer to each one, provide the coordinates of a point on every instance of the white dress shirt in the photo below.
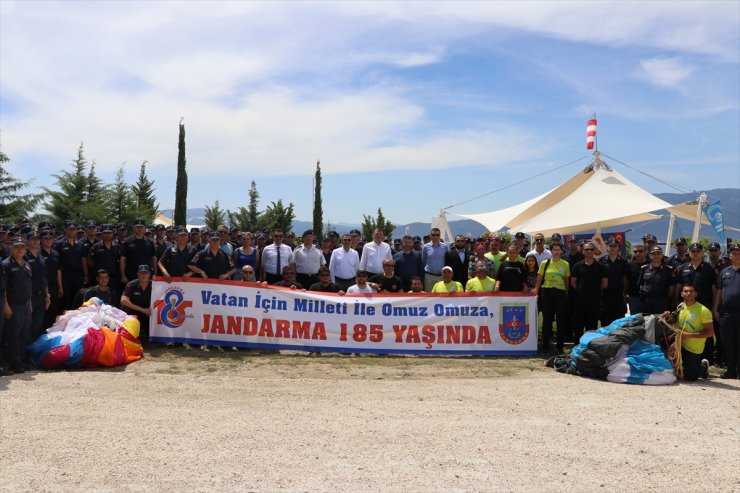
(307, 260)
(373, 255)
(343, 263)
(269, 258)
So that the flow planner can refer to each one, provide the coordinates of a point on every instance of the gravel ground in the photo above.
(190, 421)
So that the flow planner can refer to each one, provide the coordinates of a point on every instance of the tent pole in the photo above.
(669, 235)
(697, 223)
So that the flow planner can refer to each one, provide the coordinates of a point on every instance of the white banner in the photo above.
(232, 313)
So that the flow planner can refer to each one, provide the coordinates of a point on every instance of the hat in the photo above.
(214, 236)
(44, 224)
(361, 272)
(17, 240)
(139, 222)
(556, 237)
(334, 234)
(519, 236)
(612, 242)
(69, 225)
(3, 228)
(417, 239)
(90, 224)
(649, 237)
(195, 230)
(26, 230)
(573, 239)
(45, 233)
(159, 227)
(447, 267)
(107, 228)
(181, 231)
(144, 268)
(234, 230)
(355, 232)
(121, 227)
(656, 248)
(733, 246)
(681, 241)
(306, 233)
(696, 246)
(714, 246)
(32, 234)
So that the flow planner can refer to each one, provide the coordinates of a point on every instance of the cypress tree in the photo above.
(318, 213)
(181, 186)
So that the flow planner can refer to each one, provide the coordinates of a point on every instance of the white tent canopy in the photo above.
(598, 197)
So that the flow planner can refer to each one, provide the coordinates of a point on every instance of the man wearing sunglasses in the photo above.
(433, 255)
(274, 258)
(588, 280)
(639, 258)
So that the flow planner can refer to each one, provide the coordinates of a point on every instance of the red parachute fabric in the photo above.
(93, 343)
(55, 358)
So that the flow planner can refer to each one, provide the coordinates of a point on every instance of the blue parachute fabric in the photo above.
(42, 345)
(644, 359)
(590, 335)
(76, 351)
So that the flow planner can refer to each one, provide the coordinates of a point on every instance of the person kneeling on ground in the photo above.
(694, 327)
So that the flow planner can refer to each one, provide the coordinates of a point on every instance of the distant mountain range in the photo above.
(730, 198)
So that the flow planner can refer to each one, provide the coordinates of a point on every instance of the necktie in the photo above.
(277, 247)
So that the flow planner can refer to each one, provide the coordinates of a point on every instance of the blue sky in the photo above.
(410, 107)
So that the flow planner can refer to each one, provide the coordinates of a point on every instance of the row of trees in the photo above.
(80, 194)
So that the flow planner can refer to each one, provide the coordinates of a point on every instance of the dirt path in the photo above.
(188, 421)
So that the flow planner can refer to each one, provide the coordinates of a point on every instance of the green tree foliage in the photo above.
(181, 185)
(143, 196)
(13, 203)
(66, 200)
(318, 212)
(214, 216)
(246, 218)
(369, 224)
(121, 205)
(276, 215)
(96, 202)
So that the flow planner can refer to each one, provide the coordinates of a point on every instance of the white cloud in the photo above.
(665, 72)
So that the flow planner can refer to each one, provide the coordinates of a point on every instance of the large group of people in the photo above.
(579, 285)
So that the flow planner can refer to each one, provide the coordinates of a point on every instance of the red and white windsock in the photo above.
(590, 133)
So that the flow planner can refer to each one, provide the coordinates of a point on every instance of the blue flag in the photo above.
(713, 212)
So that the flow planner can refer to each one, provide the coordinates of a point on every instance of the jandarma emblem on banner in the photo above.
(514, 326)
(171, 309)
(249, 315)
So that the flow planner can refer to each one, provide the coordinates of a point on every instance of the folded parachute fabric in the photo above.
(95, 334)
(619, 353)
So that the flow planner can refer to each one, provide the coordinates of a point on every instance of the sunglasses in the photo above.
(538, 241)
(588, 249)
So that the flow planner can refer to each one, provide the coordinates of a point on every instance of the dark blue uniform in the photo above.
(587, 296)
(87, 245)
(633, 289)
(176, 261)
(654, 285)
(408, 265)
(39, 289)
(212, 265)
(3, 287)
(143, 298)
(109, 296)
(137, 251)
(18, 326)
(106, 257)
(51, 263)
(729, 282)
(70, 261)
(160, 248)
(613, 301)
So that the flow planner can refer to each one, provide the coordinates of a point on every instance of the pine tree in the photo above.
(370, 223)
(13, 204)
(95, 204)
(276, 215)
(66, 200)
(214, 216)
(143, 195)
(181, 186)
(318, 212)
(121, 204)
(246, 218)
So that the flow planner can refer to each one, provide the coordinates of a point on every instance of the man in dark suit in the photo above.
(458, 258)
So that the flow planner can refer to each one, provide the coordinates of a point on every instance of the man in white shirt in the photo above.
(274, 258)
(362, 285)
(343, 264)
(307, 260)
(374, 253)
(540, 252)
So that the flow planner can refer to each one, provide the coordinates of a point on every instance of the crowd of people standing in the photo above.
(579, 285)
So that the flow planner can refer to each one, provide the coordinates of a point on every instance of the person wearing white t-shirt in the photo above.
(362, 287)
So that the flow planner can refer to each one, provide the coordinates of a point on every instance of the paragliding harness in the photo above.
(670, 340)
